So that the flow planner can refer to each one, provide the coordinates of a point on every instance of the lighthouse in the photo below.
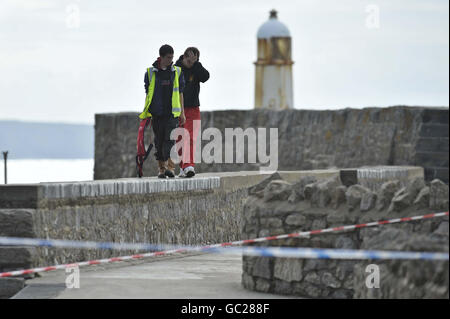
(273, 69)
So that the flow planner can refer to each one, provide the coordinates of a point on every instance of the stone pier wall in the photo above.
(308, 139)
(279, 207)
(214, 208)
(201, 210)
(178, 211)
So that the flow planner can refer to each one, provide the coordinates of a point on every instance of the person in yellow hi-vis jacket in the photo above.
(164, 85)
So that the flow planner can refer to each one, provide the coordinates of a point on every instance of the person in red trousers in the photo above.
(194, 73)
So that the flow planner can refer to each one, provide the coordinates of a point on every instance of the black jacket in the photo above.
(193, 76)
(162, 97)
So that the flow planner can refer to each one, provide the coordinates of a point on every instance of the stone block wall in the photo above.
(409, 279)
(212, 209)
(308, 139)
(432, 145)
(188, 211)
(278, 207)
(201, 210)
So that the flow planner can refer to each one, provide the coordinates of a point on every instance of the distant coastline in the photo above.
(37, 140)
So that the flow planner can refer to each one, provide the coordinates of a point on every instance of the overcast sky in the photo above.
(53, 69)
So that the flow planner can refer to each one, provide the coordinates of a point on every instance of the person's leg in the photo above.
(187, 140)
(156, 139)
(170, 124)
(158, 133)
(194, 130)
(193, 126)
(196, 118)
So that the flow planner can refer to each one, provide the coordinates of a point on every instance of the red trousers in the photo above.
(187, 158)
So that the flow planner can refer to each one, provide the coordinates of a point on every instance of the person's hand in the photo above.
(182, 119)
(190, 59)
(193, 58)
(186, 61)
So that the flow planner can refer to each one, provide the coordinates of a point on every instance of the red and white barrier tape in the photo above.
(221, 245)
(333, 229)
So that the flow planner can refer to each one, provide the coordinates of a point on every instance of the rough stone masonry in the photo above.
(201, 210)
(308, 139)
(277, 207)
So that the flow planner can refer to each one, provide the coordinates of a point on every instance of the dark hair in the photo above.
(194, 50)
(165, 49)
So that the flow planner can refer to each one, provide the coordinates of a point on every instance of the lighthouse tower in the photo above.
(273, 74)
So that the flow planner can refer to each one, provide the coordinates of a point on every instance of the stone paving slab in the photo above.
(200, 276)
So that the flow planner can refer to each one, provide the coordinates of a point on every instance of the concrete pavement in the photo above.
(205, 276)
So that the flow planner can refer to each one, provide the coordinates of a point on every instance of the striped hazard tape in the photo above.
(255, 251)
(285, 252)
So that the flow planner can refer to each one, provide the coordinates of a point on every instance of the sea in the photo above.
(25, 171)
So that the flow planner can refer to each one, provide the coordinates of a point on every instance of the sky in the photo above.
(66, 60)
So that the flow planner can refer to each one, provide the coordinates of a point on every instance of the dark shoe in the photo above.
(162, 166)
(169, 173)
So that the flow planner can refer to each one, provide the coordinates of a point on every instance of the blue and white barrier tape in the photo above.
(319, 253)
(58, 243)
(285, 252)
(218, 248)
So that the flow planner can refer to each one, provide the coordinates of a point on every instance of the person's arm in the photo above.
(200, 72)
(182, 116)
(146, 84)
(181, 88)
